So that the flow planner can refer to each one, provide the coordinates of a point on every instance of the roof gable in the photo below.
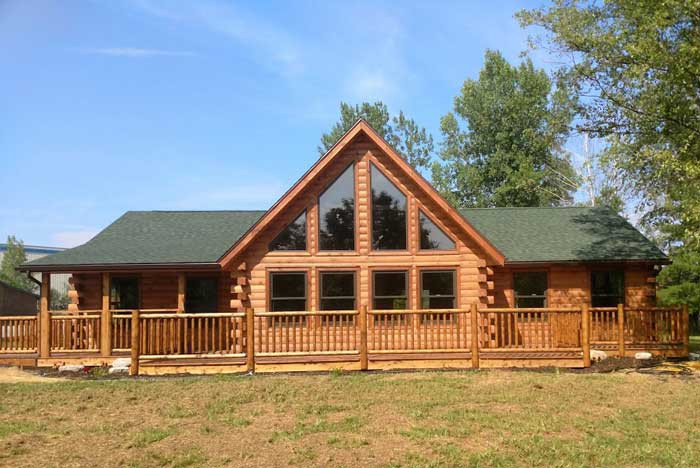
(361, 127)
(571, 234)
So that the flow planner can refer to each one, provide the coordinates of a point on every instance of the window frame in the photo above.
(136, 278)
(373, 163)
(608, 271)
(304, 212)
(455, 298)
(270, 289)
(355, 288)
(407, 277)
(545, 295)
(216, 280)
(355, 249)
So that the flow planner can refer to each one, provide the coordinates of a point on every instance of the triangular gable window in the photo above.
(388, 213)
(432, 237)
(293, 237)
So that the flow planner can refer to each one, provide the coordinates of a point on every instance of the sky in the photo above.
(109, 106)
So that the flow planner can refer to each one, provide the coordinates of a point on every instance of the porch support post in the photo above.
(586, 334)
(474, 316)
(105, 319)
(685, 318)
(135, 343)
(180, 293)
(45, 322)
(364, 359)
(621, 330)
(249, 339)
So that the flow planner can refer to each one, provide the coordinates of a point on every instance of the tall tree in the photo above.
(15, 256)
(635, 67)
(509, 149)
(410, 140)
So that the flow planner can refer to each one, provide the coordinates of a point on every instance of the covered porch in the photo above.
(240, 339)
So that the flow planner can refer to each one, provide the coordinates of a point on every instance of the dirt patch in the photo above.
(17, 375)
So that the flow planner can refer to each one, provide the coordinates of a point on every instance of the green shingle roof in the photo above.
(562, 234)
(148, 237)
(521, 234)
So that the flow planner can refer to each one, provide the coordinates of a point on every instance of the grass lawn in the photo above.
(485, 418)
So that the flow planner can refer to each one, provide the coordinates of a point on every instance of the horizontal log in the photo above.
(237, 288)
(242, 267)
(306, 313)
(193, 315)
(236, 304)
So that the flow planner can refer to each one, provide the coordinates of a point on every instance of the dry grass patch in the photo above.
(486, 418)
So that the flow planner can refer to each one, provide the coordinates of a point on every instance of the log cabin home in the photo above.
(361, 264)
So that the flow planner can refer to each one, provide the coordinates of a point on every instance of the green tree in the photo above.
(410, 140)
(509, 150)
(680, 283)
(634, 67)
(15, 256)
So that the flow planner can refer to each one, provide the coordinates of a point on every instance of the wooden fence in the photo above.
(366, 339)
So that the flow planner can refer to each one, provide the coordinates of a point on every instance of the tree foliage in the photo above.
(680, 283)
(410, 140)
(15, 256)
(509, 149)
(634, 67)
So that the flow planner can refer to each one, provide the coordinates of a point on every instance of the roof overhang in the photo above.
(627, 261)
(121, 267)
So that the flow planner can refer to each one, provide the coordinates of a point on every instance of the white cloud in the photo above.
(71, 238)
(134, 52)
(370, 85)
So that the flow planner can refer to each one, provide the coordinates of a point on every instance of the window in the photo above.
(432, 237)
(390, 290)
(438, 289)
(607, 288)
(124, 293)
(337, 290)
(288, 291)
(530, 289)
(293, 237)
(337, 213)
(388, 213)
(201, 294)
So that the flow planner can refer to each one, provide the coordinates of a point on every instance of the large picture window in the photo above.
(388, 213)
(607, 288)
(530, 289)
(124, 293)
(438, 289)
(337, 213)
(287, 291)
(390, 290)
(293, 237)
(338, 290)
(431, 236)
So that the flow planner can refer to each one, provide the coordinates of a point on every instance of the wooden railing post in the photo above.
(250, 339)
(45, 322)
(181, 284)
(135, 343)
(105, 320)
(621, 330)
(474, 315)
(586, 334)
(364, 359)
(685, 320)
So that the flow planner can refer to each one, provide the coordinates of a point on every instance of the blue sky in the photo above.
(109, 106)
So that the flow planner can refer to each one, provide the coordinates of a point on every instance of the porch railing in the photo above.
(356, 335)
